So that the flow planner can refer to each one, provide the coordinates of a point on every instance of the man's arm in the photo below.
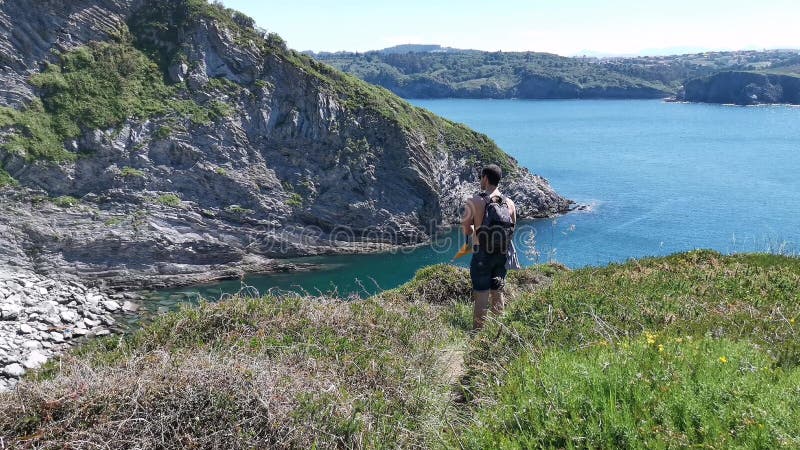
(513, 211)
(469, 218)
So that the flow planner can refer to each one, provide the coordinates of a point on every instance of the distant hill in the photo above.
(432, 71)
(743, 88)
(419, 48)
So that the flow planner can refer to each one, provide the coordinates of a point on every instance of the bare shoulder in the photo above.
(475, 200)
(512, 207)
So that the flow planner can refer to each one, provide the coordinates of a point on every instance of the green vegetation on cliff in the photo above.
(478, 74)
(694, 349)
(95, 87)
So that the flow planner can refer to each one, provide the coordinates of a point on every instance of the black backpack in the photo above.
(495, 233)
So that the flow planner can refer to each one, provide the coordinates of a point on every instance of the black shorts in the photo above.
(487, 271)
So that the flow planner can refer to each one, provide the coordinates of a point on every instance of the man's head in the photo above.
(490, 176)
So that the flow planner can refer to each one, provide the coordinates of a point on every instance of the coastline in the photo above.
(44, 315)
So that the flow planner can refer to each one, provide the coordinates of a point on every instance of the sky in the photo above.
(565, 27)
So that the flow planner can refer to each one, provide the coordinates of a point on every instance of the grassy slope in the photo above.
(692, 349)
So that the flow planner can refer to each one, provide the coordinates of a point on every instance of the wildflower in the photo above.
(791, 320)
(723, 360)
(679, 340)
(660, 347)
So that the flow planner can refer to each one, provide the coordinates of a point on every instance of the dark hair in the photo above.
(493, 173)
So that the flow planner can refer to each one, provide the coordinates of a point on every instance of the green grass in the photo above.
(6, 179)
(33, 134)
(65, 201)
(163, 132)
(648, 392)
(691, 350)
(587, 327)
(130, 172)
(238, 210)
(99, 86)
(170, 200)
(295, 200)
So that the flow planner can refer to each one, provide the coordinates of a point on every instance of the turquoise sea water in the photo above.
(659, 178)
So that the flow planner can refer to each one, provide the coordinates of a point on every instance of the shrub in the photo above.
(238, 210)
(219, 110)
(33, 134)
(6, 179)
(96, 87)
(163, 132)
(295, 200)
(170, 200)
(130, 172)
(438, 284)
(65, 201)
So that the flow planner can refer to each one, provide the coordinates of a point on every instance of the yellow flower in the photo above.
(679, 340)
(660, 347)
(651, 341)
(723, 360)
(791, 320)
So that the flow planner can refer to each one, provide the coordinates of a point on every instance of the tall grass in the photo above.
(692, 350)
(629, 355)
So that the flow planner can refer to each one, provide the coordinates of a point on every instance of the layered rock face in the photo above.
(254, 153)
(743, 88)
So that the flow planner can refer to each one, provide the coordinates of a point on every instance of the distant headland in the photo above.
(433, 71)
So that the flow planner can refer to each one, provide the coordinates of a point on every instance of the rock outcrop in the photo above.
(246, 153)
(742, 88)
(41, 317)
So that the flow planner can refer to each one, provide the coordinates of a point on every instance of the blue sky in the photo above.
(565, 27)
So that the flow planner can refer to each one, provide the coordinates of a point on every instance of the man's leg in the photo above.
(480, 305)
(498, 304)
(498, 283)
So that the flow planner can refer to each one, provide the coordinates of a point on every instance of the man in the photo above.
(488, 266)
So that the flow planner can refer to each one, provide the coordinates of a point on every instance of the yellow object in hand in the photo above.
(467, 248)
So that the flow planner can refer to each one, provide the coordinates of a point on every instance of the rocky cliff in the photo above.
(742, 88)
(147, 142)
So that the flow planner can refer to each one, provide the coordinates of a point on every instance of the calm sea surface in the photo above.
(659, 178)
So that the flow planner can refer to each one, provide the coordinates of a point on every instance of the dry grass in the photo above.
(249, 373)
